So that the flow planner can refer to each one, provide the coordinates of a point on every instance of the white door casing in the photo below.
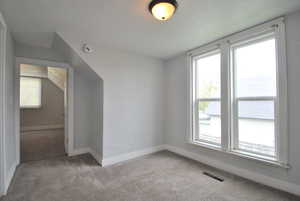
(69, 102)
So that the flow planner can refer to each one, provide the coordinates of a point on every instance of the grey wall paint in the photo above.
(83, 111)
(38, 53)
(10, 137)
(177, 101)
(133, 103)
(52, 110)
(97, 114)
(92, 101)
(293, 61)
(132, 98)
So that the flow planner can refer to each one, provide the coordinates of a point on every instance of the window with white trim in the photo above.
(254, 95)
(30, 92)
(238, 94)
(207, 69)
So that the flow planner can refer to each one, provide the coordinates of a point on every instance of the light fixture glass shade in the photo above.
(163, 9)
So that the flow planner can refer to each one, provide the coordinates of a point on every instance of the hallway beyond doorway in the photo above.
(42, 112)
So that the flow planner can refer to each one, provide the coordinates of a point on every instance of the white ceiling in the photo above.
(127, 25)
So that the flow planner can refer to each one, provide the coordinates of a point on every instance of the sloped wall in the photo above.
(89, 97)
(132, 97)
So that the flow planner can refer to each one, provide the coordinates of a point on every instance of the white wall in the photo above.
(10, 138)
(91, 98)
(83, 110)
(293, 60)
(177, 101)
(38, 52)
(132, 98)
(96, 112)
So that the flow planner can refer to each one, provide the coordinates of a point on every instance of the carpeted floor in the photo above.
(42, 144)
(158, 177)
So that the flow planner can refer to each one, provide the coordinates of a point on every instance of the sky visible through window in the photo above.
(208, 76)
(256, 69)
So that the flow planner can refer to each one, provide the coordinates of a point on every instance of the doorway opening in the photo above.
(42, 94)
(44, 109)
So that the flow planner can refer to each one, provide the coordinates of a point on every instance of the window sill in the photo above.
(265, 160)
(206, 145)
(31, 107)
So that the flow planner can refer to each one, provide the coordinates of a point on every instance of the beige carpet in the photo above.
(158, 177)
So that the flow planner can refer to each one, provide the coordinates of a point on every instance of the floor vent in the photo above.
(213, 176)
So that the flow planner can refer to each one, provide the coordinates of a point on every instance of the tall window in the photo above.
(30, 92)
(254, 95)
(207, 69)
(238, 94)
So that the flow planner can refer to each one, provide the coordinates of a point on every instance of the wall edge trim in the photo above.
(80, 151)
(9, 177)
(131, 155)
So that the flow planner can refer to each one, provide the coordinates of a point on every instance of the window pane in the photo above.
(256, 127)
(255, 83)
(255, 68)
(208, 76)
(30, 92)
(209, 121)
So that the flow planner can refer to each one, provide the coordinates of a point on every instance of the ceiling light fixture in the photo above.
(163, 9)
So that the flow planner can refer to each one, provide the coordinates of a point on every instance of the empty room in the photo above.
(149, 100)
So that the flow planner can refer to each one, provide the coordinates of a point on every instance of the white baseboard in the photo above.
(9, 177)
(124, 157)
(80, 151)
(96, 156)
(263, 179)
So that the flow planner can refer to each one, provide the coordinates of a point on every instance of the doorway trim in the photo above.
(3, 32)
(69, 136)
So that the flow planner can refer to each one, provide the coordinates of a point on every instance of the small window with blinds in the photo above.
(30, 92)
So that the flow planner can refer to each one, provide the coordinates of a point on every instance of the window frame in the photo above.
(193, 117)
(277, 28)
(235, 100)
(197, 100)
(40, 97)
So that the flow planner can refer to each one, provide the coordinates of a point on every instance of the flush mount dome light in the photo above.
(163, 9)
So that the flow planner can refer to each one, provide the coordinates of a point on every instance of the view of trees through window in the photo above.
(208, 70)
